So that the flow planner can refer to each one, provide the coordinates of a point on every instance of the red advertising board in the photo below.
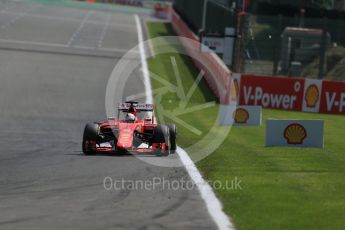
(333, 97)
(272, 92)
(286, 93)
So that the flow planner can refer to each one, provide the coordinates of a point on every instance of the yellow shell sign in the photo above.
(235, 89)
(312, 96)
(241, 116)
(295, 134)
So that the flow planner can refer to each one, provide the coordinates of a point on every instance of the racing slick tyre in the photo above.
(161, 135)
(173, 134)
(90, 138)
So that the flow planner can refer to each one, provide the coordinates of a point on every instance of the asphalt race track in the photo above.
(55, 62)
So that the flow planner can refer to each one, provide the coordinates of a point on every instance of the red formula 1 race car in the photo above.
(130, 134)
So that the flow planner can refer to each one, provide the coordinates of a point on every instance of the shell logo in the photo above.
(235, 89)
(240, 116)
(295, 134)
(312, 96)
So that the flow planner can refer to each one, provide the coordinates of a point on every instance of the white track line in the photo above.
(81, 26)
(47, 44)
(68, 19)
(32, 43)
(145, 68)
(213, 205)
(18, 17)
(104, 30)
(7, 7)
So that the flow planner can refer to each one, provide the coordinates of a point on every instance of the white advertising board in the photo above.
(229, 42)
(210, 44)
(240, 115)
(294, 133)
(312, 95)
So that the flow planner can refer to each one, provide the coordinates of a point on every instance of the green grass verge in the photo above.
(282, 188)
(161, 65)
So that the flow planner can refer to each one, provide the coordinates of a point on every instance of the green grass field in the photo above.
(282, 188)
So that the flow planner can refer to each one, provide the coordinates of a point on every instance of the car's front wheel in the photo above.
(173, 134)
(161, 136)
(90, 137)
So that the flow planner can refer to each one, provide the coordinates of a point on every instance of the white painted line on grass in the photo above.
(213, 205)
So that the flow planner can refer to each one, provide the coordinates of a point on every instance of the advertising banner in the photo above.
(312, 95)
(272, 92)
(235, 88)
(210, 44)
(229, 45)
(240, 115)
(295, 133)
(333, 97)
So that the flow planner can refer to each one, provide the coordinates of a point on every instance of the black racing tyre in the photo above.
(173, 134)
(161, 135)
(90, 137)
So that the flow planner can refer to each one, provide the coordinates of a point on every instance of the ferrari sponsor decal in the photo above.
(105, 145)
(295, 133)
(144, 107)
(143, 146)
(125, 135)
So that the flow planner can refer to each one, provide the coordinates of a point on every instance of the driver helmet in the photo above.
(130, 118)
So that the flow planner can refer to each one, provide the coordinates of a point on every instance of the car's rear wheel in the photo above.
(90, 137)
(173, 134)
(161, 136)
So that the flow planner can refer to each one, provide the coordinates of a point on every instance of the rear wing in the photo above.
(138, 107)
